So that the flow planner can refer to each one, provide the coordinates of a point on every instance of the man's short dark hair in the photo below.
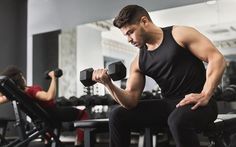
(15, 74)
(130, 14)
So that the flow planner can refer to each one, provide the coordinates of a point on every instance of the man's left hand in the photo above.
(194, 98)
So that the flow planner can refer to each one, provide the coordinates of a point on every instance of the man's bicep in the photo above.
(136, 80)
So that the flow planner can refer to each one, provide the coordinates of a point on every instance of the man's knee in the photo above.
(176, 122)
(116, 114)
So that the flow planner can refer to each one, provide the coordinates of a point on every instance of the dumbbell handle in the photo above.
(57, 72)
(116, 71)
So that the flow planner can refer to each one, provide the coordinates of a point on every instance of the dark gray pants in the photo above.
(183, 122)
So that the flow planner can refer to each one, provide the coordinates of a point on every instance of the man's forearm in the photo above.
(123, 97)
(215, 70)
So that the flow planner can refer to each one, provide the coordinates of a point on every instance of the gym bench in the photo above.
(3, 126)
(218, 133)
(91, 127)
(41, 119)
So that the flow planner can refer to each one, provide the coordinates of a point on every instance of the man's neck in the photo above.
(155, 38)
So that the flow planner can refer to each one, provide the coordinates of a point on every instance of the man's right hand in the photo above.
(101, 76)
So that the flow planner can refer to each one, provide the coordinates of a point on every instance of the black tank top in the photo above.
(175, 69)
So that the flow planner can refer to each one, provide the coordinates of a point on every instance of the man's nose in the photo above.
(129, 39)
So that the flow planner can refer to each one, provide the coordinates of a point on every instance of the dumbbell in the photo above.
(116, 71)
(57, 72)
(229, 93)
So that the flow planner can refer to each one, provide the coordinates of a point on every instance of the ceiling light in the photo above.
(211, 2)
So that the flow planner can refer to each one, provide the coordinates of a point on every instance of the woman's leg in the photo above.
(65, 114)
(80, 132)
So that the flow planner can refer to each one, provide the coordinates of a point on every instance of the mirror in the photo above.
(88, 45)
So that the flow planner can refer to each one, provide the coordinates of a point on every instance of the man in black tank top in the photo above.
(173, 57)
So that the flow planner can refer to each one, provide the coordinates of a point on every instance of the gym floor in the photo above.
(204, 143)
(97, 145)
(102, 138)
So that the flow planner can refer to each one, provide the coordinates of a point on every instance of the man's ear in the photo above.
(144, 20)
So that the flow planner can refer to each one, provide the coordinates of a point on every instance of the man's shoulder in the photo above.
(183, 33)
(183, 29)
(135, 64)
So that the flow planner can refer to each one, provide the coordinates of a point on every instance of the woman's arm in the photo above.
(51, 92)
(3, 98)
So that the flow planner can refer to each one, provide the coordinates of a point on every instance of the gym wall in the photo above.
(67, 62)
(13, 33)
(79, 48)
(89, 53)
(45, 56)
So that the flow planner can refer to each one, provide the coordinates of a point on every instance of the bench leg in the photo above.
(89, 137)
(3, 127)
(141, 141)
(217, 141)
(148, 137)
(56, 138)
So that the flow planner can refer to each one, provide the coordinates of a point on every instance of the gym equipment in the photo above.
(116, 71)
(232, 72)
(89, 90)
(149, 95)
(3, 128)
(41, 119)
(217, 93)
(58, 73)
(6, 115)
(62, 101)
(217, 132)
(228, 94)
(90, 101)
